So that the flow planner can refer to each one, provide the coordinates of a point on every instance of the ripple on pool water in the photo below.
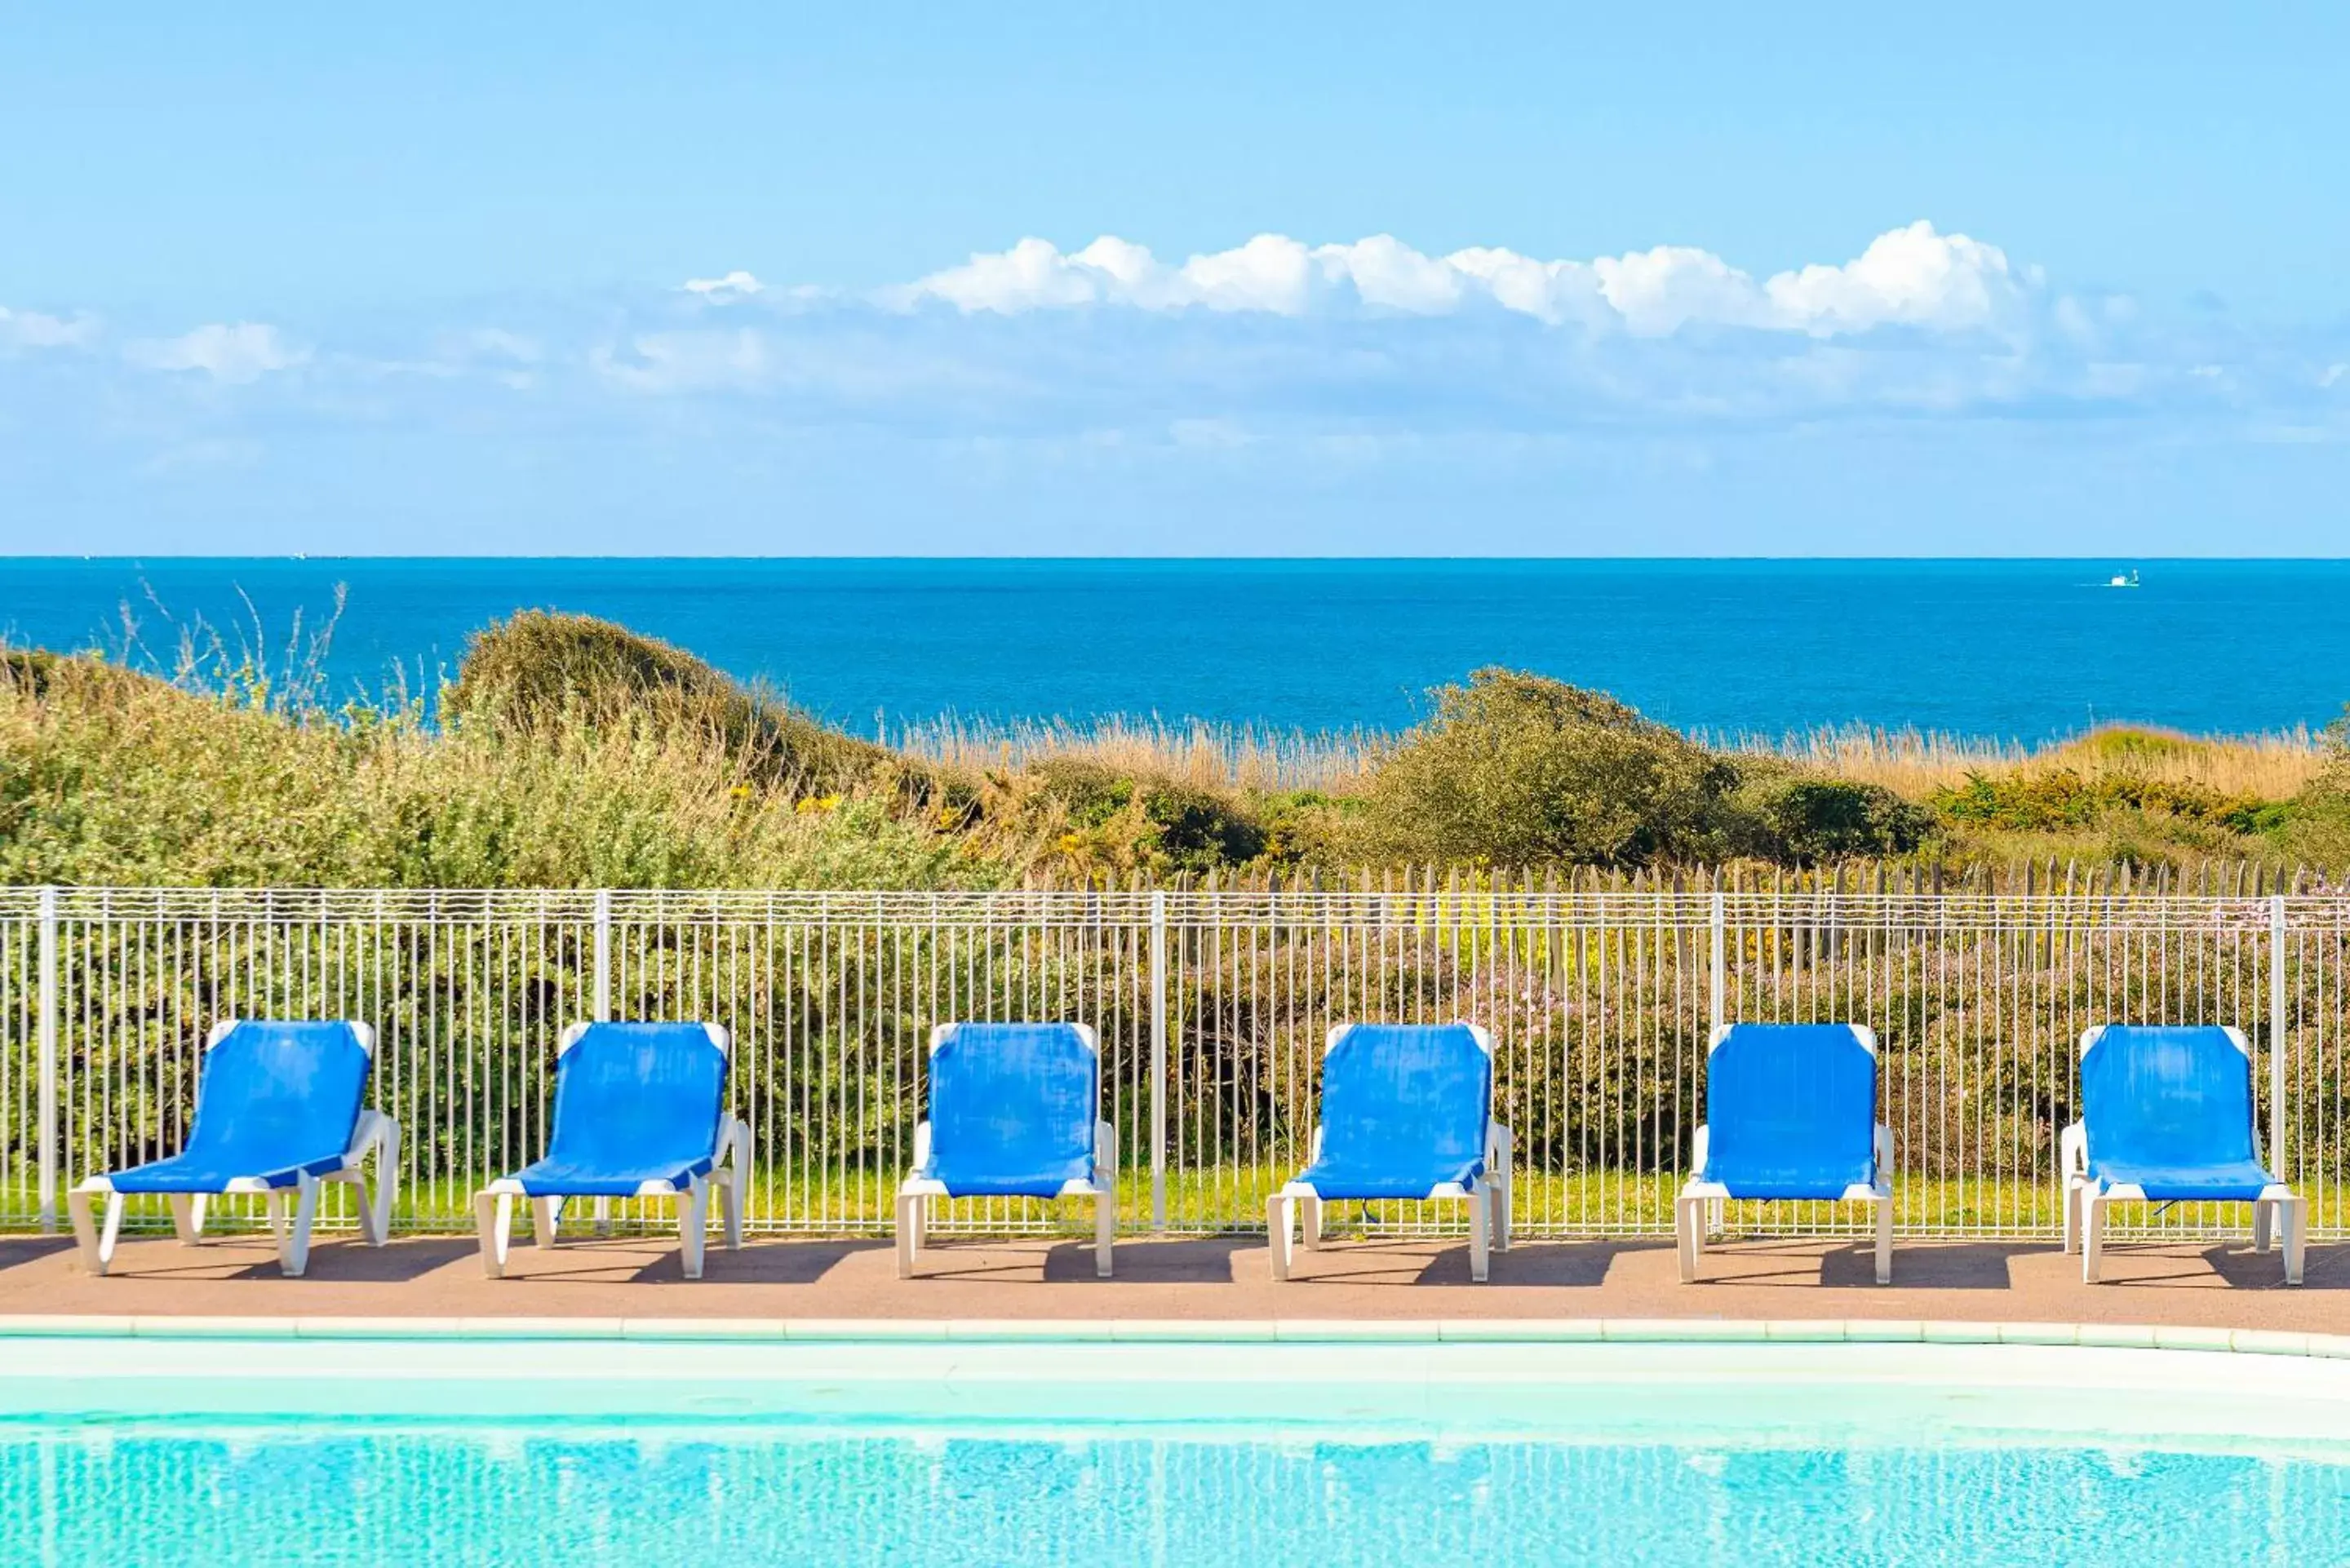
(510, 1496)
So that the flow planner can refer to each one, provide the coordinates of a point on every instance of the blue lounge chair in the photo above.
(1791, 1114)
(640, 1112)
(1015, 1112)
(2167, 1117)
(278, 1112)
(1406, 1113)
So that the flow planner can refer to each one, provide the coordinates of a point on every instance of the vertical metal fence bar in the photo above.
(1717, 921)
(2278, 1035)
(1159, 1061)
(603, 955)
(47, 1117)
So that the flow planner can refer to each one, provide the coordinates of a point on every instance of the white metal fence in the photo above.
(1211, 1009)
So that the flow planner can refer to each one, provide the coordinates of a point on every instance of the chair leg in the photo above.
(1105, 1230)
(2264, 1230)
(2072, 1216)
(694, 1225)
(1277, 1228)
(2296, 1222)
(1502, 1213)
(1480, 1233)
(95, 1255)
(2092, 1236)
(909, 1233)
(738, 1186)
(375, 1202)
(730, 1208)
(1309, 1224)
(1689, 1224)
(1884, 1241)
(494, 1221)
(294, 1242)
(546, 1221)
(188, 1217)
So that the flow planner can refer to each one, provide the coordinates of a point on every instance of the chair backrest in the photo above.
(1415, 1093)
(1792, 1104)
(638, 1094)
(2166, 1096)
(1012, 1105)
(274, 1094)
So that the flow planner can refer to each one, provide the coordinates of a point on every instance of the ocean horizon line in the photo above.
(2001, 649)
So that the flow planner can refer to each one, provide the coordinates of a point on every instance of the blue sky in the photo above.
(1378, 279)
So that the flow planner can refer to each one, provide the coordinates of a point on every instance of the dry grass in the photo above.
(1914, 764)
(1210, 756)
(110, 776)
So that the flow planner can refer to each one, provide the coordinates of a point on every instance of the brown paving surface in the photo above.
(2205, 1285)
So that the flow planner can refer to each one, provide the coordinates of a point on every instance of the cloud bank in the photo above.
(237, 354)
(1912, 276)
(1105, 373)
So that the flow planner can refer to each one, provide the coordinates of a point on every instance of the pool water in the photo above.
(308, 1494)
(339, 1444)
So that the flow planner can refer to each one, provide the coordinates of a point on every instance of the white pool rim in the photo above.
(1205, 1331)
(1676, 1380)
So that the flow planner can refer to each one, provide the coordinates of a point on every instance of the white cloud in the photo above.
(490, 343)
(1910, 276)
(1659, 291)
(687, 362)
(736, 284)
(245, 351)
(31, 329)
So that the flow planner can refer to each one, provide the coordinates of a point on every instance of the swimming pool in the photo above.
(967, 1444)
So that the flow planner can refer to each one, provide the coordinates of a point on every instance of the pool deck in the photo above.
(2201, 1285)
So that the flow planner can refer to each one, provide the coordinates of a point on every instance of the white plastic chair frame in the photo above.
(918, 1190)
(730, 1169)
(1698, 1211)
(1298, 1207)
(2278, 1207)
(375, 1134)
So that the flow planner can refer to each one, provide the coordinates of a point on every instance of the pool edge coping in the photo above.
(1192, 1331)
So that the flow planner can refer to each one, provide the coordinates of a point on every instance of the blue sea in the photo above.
(2022, 649)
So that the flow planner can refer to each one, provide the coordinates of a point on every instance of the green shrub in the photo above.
(1518, 770)
(2315, 825)
(1199, 829)
(2056, 799)
(1120, 822)
(1091, 794)
(541, 672)
(1800, 820)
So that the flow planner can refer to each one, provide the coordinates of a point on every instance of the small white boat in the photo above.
(2123, 580)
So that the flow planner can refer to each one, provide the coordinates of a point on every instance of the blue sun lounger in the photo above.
(2167, 1117)
(1791, 1114)
(278, 1113)
(640, 1112)
(1406, 1113)
(1015, 1112)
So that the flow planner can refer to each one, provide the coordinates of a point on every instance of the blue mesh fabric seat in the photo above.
(1407, 1113)
(1014, 1112)
(2167, 1117)
(640, 1112)
(279, 1112)
(1791, 1114)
